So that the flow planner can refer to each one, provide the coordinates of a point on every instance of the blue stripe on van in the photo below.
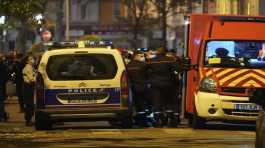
(50, 94)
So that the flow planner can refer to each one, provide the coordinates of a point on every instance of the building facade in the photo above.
(233, 7)
(236, 7)
(87, 17)
(100, 17)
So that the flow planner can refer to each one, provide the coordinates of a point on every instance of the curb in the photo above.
(11, 100)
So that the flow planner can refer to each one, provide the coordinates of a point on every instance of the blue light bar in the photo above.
(98, 43)
(78, 44)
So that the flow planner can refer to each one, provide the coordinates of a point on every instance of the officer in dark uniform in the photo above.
(3, 80)
(137, 76)
(161, 75)
(18, 67)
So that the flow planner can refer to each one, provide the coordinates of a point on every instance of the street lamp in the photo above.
(2, 20)
(39, 18)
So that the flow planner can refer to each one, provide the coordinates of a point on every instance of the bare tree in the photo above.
(138, 17)
(165, 8)
(22, 12)
(59, 20)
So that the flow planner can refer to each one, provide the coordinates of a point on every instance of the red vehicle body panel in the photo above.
(205, 27)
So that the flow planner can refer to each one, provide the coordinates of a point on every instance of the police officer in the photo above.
(163, 85)
(28, 89)
(137, 75)
(4, 77)
(18, 67)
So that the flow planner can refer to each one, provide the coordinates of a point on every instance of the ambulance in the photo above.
(226, 60)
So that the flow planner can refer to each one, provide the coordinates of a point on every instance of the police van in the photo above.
(81, 82)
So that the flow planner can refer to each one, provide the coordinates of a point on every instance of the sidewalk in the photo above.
(12, 107)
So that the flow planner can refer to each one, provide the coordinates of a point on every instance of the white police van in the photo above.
(81, 84)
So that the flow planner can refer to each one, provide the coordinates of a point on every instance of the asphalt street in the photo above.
(14, 134)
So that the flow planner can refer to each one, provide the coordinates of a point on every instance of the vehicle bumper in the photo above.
(212, 106)
(85, 114)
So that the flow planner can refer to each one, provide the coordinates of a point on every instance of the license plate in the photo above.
(247, 107)
(82, 101)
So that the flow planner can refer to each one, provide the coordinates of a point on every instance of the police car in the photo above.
(81, 82)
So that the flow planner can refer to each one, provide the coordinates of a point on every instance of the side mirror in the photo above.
(258, 96)
(186, 64)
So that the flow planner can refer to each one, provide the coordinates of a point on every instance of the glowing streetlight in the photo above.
(2, 20)
(39, 18)
(3, 33)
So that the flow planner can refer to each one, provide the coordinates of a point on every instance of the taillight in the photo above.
(124, 89)
(39, 91)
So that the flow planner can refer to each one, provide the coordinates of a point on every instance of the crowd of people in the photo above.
(154, 75)
(20, 70)
(155, 78)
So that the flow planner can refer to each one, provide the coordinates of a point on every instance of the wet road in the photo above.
(14, 134)
(219, 136)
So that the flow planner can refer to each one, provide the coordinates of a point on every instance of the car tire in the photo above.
(42, 121)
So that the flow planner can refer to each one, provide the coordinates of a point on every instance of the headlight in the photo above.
(208, 84)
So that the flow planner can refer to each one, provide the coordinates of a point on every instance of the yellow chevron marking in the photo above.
(260, 72)
(223, 72)
(233, 75)
(251, 82)
(212, 71)
(216, 69)
(209, 73)
(249, 75)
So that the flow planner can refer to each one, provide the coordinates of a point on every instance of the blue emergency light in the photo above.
(78, 44)
(102, 43)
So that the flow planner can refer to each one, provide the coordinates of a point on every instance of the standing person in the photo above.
(28, 89)
(178, 85)
(4, 77)
(18, 67)
(163, 86)
(137, 76)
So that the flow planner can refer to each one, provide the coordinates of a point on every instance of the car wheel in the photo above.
(42, 121)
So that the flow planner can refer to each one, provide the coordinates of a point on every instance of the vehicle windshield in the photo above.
(230, 53)
(81, 67)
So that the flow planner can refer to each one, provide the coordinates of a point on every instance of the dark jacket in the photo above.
(18, 67)
(4, 77)
(137, 74)
(161, 71)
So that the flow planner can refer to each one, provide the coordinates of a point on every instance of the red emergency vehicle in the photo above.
(225, 53)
